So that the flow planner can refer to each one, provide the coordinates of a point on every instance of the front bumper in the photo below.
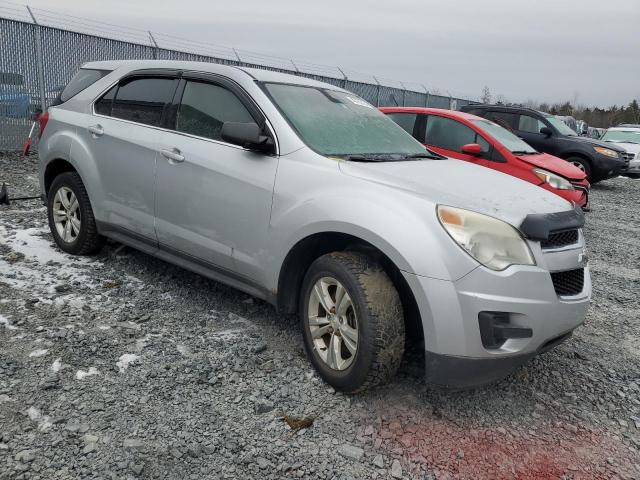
(605, 167)
(634, 166)
(450, 316)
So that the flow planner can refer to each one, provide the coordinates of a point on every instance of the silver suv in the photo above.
(304, 195)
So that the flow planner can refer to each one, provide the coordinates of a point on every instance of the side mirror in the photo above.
(472, 149)
(246, 135)
(546, 131)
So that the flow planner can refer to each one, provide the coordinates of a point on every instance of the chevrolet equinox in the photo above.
(305, 195)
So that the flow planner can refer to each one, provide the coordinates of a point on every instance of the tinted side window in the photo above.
(405, 120)
(205, 107)
(504, 119)
(530, 124)
(449, 134)
(81, 80)
(142, 100)
(103, 105)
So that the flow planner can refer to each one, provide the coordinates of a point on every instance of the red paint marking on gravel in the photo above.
(455, 452)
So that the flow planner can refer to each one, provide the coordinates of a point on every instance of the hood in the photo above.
(462, 184)
(554, 165)
(597, 143)
(629, 147)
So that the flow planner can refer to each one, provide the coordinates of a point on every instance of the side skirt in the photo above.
(186, 261)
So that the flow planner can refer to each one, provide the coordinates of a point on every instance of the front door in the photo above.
(529, 130)
(213, 199)
(447, 137)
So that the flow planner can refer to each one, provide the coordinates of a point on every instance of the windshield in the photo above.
(562, 127)
(504, 136)
(342, 124)
(627, 136)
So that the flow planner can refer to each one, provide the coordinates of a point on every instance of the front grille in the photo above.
(569, 282)
(560, 239)
(628, 156)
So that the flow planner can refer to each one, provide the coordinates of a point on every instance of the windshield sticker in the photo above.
(359, 101)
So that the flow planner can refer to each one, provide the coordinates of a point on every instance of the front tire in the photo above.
(71, 219)
(352, 321)
(582, 164)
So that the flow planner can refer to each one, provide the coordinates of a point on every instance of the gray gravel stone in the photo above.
(351, 451)
(396, 469)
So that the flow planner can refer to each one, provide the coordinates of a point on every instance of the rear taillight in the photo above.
(42, 119)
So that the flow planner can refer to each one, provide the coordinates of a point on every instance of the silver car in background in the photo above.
(627, 137)
(304, 195)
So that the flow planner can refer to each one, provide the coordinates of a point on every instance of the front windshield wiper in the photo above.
(524, 152)
(388, 157)
(434, 156)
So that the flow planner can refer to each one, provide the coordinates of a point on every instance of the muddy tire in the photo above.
(71, 219)
(343, 293)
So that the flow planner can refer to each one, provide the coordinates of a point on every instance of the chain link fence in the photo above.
(38, 58)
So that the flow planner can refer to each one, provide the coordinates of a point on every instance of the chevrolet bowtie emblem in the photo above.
(583, 259)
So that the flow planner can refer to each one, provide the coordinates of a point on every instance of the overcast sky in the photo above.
(546, 50)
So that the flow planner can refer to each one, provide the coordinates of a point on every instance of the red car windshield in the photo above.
(505, 137)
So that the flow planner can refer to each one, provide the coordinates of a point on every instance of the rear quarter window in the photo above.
(81, 81)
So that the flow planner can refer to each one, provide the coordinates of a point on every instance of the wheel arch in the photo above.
(308, 249)
(54, 168)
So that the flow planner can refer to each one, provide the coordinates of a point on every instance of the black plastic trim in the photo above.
(188, 262)
(538, 226)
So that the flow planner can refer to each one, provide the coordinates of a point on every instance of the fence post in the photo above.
(235, 52)
(344, 78)
(426, 98)
(404, 94)
(39, 60)
(155, 45)
(378, 93)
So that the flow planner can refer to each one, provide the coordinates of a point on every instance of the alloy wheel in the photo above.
(579, 165)
(66, 214)
(333, 323)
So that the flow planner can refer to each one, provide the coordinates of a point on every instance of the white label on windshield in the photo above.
(359, 101)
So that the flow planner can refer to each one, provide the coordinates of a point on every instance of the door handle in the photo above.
(96, 130)
(174, 155)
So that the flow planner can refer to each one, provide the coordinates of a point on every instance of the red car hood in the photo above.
(554, 165)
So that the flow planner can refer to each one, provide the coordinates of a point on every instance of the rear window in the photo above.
(80, 81)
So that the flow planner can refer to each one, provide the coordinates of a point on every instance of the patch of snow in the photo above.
(33, 245)
(125, 360)
(4, 321)
(39, 353)
(81, 374)
(44, 422)
(104, 327)
(56, 366)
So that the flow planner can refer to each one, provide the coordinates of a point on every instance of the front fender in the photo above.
(410, 237)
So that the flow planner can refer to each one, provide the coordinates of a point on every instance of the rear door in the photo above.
(447, 137)
(213, 199)
(122, 135)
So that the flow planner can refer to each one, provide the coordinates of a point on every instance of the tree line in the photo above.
(593, 116)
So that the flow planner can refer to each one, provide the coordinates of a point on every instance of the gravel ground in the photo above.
(122, 366)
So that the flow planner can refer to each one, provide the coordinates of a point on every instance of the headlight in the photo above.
(492, 242)
(607, 152)
(556, 181)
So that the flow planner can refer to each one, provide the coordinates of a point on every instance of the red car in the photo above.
(483, 142)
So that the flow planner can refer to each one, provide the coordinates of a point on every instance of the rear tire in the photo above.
(71, 219)
(582, 164)
(363, 300)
